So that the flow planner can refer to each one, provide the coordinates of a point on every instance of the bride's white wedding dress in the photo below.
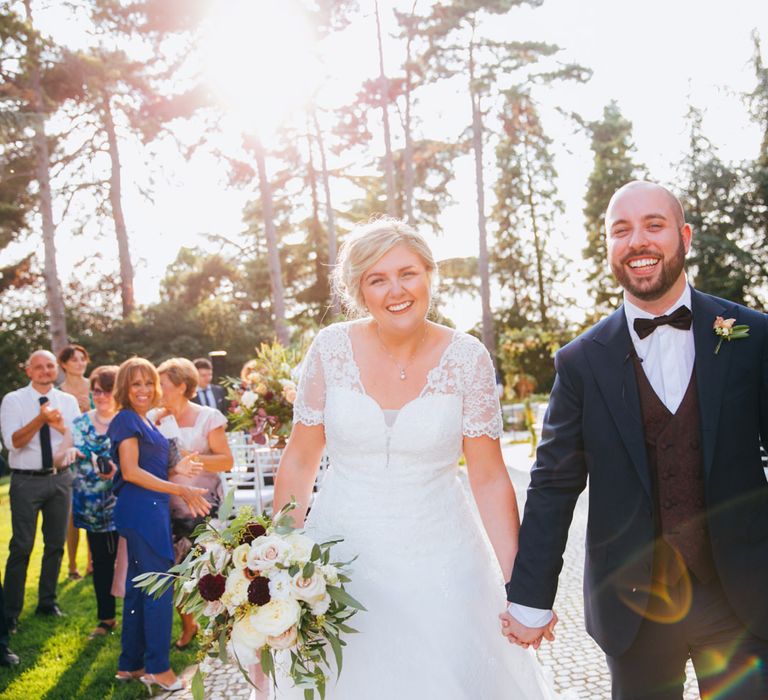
(425, 571)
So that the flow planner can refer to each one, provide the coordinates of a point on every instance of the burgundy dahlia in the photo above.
(258, 591)
(269, 396)
(211, 586)
(251, 532)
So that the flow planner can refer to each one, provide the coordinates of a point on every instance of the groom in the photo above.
(665, 421)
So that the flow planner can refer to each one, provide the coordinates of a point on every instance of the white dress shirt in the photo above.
(668, 355)
(22, 406)
(206, 397)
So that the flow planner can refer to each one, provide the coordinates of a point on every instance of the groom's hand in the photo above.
(518, 633)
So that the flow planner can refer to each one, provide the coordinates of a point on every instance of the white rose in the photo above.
(246, 640)
(309, 589)
(213, 608)
(189, 586)
(240, 556)
(330, 573)
(320, 607)
(279, 584)
(276, 617)
(285, 640)
(235, 590)
(300, 547)
(266, 551)
(219, 553)
(248, 399)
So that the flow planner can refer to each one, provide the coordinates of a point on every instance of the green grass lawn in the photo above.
(58, 662)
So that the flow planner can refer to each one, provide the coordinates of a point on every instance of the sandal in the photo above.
(125, 676)
(103, 629)
(74, 576)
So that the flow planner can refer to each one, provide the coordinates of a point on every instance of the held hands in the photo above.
(189, 465)
(517, 633)
(193, 497)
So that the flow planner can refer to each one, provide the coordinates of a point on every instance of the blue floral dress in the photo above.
(93, 501)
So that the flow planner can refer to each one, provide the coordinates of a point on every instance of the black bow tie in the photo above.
(680, 318)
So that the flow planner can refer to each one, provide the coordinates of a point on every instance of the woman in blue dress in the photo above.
(142, 517)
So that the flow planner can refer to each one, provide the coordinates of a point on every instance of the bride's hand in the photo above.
(193, 497)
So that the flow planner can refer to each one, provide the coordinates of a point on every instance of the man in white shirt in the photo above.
(665, 417)
(208, 394)
(33, 420)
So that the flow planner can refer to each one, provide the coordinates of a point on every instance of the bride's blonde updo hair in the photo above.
(363, 248)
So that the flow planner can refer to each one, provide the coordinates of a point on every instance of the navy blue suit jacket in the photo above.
(593, 432)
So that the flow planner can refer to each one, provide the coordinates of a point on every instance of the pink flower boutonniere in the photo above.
(725, 330)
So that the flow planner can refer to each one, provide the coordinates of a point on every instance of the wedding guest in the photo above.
(208, 394)
(33, 420)
(73, 360)
(199, 431)
(86, 450)
(142, 517)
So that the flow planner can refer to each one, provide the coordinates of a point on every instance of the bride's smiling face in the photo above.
(396, 290)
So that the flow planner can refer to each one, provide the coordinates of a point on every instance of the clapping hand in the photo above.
(52, 416)
(70, 456)
(189, 465)
(193, 497)
(518, 633)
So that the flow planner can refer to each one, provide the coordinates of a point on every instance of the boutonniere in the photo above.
(725, 330)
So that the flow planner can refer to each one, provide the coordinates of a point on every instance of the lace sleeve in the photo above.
(310, 394)
(482, 412)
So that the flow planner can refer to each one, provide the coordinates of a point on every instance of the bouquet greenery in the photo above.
(258, 587)
(261, 400)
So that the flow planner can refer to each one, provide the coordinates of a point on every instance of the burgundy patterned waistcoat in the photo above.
(673, 446)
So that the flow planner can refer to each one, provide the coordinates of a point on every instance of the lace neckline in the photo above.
(427, 384)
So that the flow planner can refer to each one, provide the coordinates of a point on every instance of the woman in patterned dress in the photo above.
(92, 497)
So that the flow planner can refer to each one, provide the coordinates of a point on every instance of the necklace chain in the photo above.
(402, 368)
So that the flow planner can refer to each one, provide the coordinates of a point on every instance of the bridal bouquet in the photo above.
(261, 400)
(258, 586)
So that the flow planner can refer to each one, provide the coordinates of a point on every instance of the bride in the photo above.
(395, 399)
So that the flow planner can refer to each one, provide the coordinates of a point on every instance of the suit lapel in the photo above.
(609, 355)
(711, 368)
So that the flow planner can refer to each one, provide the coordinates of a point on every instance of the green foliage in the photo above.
(525, 210)
(526, 355)
(611, 143)
(719, 260)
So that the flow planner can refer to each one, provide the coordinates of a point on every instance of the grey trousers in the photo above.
(30, 495)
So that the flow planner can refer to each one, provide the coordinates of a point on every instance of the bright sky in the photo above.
(653, 58)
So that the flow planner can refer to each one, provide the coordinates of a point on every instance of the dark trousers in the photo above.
(730, 663)
(146, 637)
(103, 552)
(4, 636)
(31, 495)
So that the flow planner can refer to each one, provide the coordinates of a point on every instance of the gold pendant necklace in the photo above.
(402, 368)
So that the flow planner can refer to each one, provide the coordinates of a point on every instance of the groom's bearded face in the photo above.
(652, 288)
(647, 240)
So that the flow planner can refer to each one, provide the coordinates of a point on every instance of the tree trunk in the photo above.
(116, 200)
(273, 255)
(408, 149)
(482, 256)
(55, 301)
(529, 195)
(329, 214)
(315, 229)
(389, 166)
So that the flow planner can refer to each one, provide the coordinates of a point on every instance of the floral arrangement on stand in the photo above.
(261, 400)
(259, 587)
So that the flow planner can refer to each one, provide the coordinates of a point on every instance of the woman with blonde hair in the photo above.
(198, 431)
(142, 517)
(395, 399)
